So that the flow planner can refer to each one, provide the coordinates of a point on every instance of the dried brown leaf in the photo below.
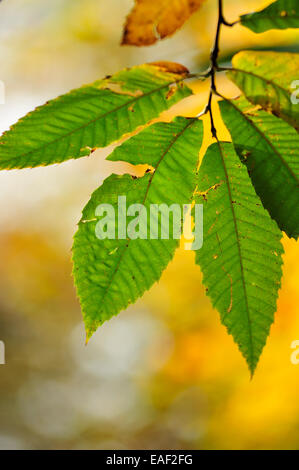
(151, 20)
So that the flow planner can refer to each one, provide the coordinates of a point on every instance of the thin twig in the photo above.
(214, 68)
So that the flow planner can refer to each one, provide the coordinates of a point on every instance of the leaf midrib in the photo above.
(239, 251)
(177, 136)
(263, 15)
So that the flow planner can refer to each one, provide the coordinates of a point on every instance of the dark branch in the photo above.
(214, 64)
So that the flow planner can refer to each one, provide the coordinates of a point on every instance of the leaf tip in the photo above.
(89, 333)
(252, 369)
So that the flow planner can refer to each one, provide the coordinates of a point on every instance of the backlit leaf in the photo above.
(92, 116)
(269, 147)
(241, 254)
(112, 273)
(281, 14)
(268, 79)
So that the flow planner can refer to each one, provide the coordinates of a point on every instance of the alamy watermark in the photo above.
(2, 353)
(158, 221)
(295, 94)
(295, 354)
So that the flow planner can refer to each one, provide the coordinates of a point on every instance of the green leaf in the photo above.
(111, 274)
(93, 116)
(267, 78)
(241, 254)
(269, 147)
(281, 14)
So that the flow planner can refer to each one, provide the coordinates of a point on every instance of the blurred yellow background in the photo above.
(164, 374)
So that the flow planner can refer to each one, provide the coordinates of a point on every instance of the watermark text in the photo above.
(156, 221)
(2, 353)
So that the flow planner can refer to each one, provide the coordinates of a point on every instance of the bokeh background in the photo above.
(164, 374)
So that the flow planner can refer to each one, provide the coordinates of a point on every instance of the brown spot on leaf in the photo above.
(116, 87)
(170, 67)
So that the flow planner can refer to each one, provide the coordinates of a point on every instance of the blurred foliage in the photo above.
(164, 374)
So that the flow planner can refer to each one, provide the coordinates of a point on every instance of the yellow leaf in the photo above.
(151, 20)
